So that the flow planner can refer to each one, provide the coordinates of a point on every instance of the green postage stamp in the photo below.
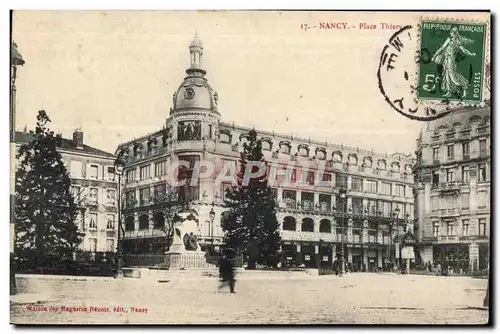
(452, 61)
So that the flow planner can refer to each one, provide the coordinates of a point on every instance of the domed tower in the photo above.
(194, 115)
(193, 123)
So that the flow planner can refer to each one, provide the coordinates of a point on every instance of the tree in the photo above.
(166, 204)
(45, 211)
(251, 225)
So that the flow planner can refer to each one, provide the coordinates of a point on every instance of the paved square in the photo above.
(353, 299)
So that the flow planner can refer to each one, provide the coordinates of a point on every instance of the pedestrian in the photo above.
(336, 266)
(226, 273)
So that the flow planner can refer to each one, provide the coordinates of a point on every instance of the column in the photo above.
(279, 194)
(365, 259)
(316, 199)
(349, 182)
(364, 232)
(349, 231)
(136, 222)
(348, 204)
(349, 255)
(298, 258)
(317, 257)
(379, 258)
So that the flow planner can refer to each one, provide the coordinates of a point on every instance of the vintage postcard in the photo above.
(250, 167)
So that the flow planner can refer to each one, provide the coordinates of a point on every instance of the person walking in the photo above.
(226, 273)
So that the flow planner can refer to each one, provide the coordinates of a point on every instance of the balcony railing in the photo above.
(448, 238)
(289, 203)
(307, 205)
(450, 135)
(465, 133)
(307, 236)
(482, 130)
(449, 186)
(435, 138)
(448, 212)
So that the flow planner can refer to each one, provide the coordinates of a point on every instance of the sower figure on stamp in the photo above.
(453, 82)
(226, 272)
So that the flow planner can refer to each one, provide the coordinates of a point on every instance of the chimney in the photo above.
(78, 138)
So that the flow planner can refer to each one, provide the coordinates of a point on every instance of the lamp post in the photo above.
(15, 60)
(396, 223)
(342, 195)
(119, 167)
(211, 215)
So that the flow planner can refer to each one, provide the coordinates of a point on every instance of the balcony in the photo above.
(465, 133)
(449, 213)
(435, 138)
(144, 234)
(450, 136)
(449, 186)
(482, 130)
(288, 203)
(307, 236)
(336, 164)
(307, 206)
(435, 161)
(483, 154)
(448, 239)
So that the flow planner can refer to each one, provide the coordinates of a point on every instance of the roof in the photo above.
(66, 144)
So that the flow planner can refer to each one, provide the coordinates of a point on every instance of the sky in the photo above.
(113, 74)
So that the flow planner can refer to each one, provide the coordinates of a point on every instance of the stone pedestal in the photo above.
(187, 260)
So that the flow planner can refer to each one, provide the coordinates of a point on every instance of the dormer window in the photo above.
(285, 147)
(353, 159)
(225, 136)
(337, 156)
(151, 144)
(320, 154)
(395, 167)
(137, 150)
(267, 144)
(367, 162)
(382, 164)
(303, 150)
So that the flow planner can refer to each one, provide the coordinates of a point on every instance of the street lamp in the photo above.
(15, 60)
(211, 215)
(119, 167)
(342, 196)
(396, 220)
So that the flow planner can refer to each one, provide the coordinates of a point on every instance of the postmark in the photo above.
(410, 71)
(452, 61)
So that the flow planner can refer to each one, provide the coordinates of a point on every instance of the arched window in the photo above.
(307, 225)
(267, 144)
(303, 150)
(289, 224)
(382, 165)
(353, 159)
(143, 222)
(159, 220)
(325, 226)
(395, 167)
(337, 156)
(224, 216)
(320, 154)
(137, 150)
(129, 223)
(225, 136)
(368, 162)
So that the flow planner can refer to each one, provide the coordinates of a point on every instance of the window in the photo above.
(385, 188)
(482, 226)
(340, 180)
(310, 178)
(143, 196)
(435, 230)
(93, 172)
(93, 244)
(75, 169)
(111, 196)
(435, 177)
(130, 199)
(451, 229)
(159, 193)
(144, 172)
(110, 245)
(465, 200)
(357, 206)
(110, 225)
(450, 175)
(110, 172)
(209, 130)
(372, 207)
(451, 151)
(481, 199)
(386, 208)
(93, 195)
(130, 175)
(435, 153)
(225, 188)
(293, 178)
(357, 184)
(400, 190)
(465, 227)
(482, 146)
(371, 186)
(93, 221)
(327, 177)
(160, 168)
(434, 203)
(465, 174)
(481, 175)
(75, 192)
(466, 150)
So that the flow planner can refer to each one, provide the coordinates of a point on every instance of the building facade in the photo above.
(94, 188)
(453, 189)
(310, 214)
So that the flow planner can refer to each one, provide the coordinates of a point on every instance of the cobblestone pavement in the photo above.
(352, 299)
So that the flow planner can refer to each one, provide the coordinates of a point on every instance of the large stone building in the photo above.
(309, 214)
(453, 188)
(94, 187)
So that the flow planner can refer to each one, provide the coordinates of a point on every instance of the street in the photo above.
(352, 299)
